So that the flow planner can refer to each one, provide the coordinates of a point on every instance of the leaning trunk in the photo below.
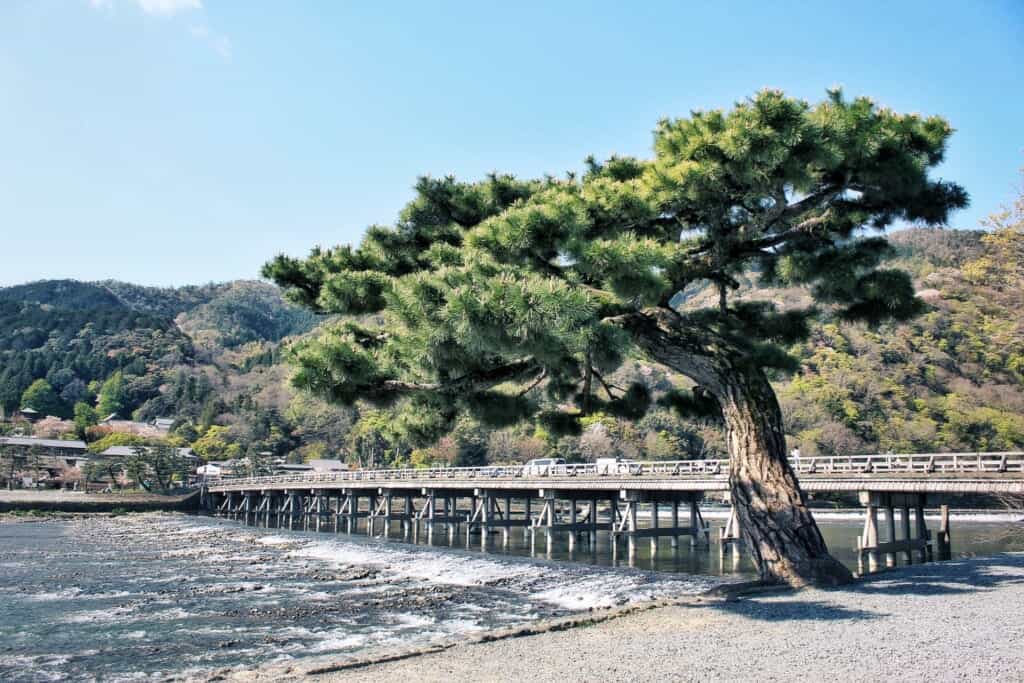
(775, 522)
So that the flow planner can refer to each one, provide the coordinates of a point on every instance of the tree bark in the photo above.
(776, 524)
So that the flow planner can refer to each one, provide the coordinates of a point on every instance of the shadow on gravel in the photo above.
(952, 577)
(945, 578)
(792, 610)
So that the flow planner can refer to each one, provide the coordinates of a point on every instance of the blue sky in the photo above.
(172, 142)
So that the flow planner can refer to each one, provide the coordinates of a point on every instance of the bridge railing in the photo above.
(887, 463)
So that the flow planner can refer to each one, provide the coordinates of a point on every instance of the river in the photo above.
(156, 596)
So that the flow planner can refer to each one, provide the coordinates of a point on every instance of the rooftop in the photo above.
(125, 451)
(44, 443)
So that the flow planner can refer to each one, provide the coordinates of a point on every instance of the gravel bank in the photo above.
(951, 621)
(21, 500)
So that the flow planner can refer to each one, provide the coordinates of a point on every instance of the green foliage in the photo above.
(112, 396)
(471, 442)
(215, 444)
(244, 312)
(374, 440)
(85, 417)
(117, 439)
(71, 334)
(41, 397)
(946, 381)
(507, 298)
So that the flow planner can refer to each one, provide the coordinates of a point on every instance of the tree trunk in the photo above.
(776, 525)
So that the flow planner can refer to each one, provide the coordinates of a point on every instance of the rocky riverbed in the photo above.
(168, 596)
(952, 621)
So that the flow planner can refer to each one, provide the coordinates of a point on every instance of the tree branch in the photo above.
(607, 387)
(466, 384)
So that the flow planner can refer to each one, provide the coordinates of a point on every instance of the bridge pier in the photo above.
(915, 540)
(491, 511)
(628, 528)
(942, 537)
(729, 537)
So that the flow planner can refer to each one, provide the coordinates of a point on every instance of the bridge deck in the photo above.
(937, 473)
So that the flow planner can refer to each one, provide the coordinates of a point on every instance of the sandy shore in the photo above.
(951, 621)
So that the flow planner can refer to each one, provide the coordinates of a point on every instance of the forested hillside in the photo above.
(951, 379)
(195, 354)
(214, 358)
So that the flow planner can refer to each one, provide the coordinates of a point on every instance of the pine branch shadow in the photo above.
(951, 577)
(966, 575)
(775, 610)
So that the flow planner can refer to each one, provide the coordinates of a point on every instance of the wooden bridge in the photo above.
(582, 499)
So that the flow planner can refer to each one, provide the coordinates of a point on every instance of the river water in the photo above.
(157, 596)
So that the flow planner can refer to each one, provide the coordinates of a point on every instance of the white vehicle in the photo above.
(542, 467)
(616, 465)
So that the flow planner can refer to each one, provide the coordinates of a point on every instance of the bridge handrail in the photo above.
(892, 463)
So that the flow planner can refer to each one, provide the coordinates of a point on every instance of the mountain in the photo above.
(212, 357)
(75, 333)
(244, 312)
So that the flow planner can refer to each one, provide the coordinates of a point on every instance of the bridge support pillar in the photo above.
(353, 512)
(916, 539)
(289, 506)
(943, 536)
(729, 537)
(624, 523)
(506, 530)
(654, 527)
(371, 519)
(428, 513)
(528, 516)
(388, 511)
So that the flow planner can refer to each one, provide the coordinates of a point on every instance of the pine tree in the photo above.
(495, 291)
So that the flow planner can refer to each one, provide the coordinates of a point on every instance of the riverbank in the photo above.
(53, 501)
(957, 620)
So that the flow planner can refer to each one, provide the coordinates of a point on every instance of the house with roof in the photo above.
(164, 424)
(42, 462)
(29, 414)
(74, 450)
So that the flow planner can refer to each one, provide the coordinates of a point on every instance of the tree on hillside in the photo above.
(85, 417)
(216, 443)
(498, 291)
(41, 398)
(1001, 267)
(374, 440)
(112, 396)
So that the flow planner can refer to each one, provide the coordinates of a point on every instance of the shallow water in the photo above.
(157, 595)
(154, 595)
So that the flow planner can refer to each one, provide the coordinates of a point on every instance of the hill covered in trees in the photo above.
(86, 350)
(214, 358)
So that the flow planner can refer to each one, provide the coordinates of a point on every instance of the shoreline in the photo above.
(318, 666)
(901, 623)
(41, 505)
